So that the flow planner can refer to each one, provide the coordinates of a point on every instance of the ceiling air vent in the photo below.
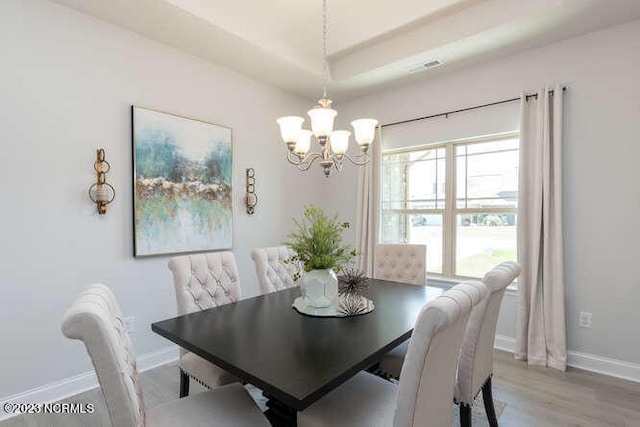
(425, 66)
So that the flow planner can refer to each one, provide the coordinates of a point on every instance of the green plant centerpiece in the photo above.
(321, 252)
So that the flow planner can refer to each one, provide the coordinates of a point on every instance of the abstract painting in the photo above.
(182, 196)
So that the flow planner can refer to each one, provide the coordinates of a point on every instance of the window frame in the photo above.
(450, 210)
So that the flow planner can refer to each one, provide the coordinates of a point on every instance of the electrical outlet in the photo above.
(584, 319)
(130, 325)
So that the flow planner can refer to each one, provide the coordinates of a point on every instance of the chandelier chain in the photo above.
(325, 35)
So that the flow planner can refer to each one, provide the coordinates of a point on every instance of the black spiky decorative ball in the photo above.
(353, 282)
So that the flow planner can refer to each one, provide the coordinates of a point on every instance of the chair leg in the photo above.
(487, 397)
(184, 384)
(465, 415)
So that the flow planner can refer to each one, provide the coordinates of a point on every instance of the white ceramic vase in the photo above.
(319, 288)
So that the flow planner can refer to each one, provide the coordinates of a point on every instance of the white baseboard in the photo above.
(505, 343)
(71, 386)
(604, 365)
(588, 362)
(158, 358)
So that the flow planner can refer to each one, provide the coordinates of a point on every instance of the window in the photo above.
(459, 198)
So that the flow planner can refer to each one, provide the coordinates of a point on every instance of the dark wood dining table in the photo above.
(293, 358)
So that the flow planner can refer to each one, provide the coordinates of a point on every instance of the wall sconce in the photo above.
(250, 198)
(101, 193)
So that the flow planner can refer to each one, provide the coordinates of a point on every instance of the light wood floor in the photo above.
(538, 396)
(534, 396)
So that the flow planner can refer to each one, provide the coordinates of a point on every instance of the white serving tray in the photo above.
(301, 306)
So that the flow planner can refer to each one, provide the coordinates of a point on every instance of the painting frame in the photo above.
(182, 184)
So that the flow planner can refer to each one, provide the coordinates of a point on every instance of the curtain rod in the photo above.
(446, 114)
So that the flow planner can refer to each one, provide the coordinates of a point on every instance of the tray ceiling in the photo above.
(372, 43)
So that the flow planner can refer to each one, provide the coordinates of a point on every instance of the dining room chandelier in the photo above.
(333, 143)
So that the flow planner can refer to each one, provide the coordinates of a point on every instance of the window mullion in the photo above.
(448, 241)
(466, 177)
(405, 205)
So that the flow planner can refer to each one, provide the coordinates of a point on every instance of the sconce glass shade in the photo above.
(340, 141)
(290, 128)
(304, 142)
(322, 121)
(102, 194)
(365, 130)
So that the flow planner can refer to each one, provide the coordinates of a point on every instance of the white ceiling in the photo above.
(372, 43)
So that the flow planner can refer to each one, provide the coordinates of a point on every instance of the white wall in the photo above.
(67, 82)
(66, 85)
(601, 169)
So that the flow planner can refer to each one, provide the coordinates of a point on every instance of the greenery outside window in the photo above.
(459, 198)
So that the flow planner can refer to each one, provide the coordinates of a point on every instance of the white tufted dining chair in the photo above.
(475, 367)
(273, 273)
(95, 318)
(425, 391)
(203, 281)
(401, 263)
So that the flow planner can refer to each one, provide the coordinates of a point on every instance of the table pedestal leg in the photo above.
(279, 414)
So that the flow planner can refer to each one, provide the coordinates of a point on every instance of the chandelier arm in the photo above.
(303, 164)
(366, 158)
(337, 163)
(294, 159)
(308, 161)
